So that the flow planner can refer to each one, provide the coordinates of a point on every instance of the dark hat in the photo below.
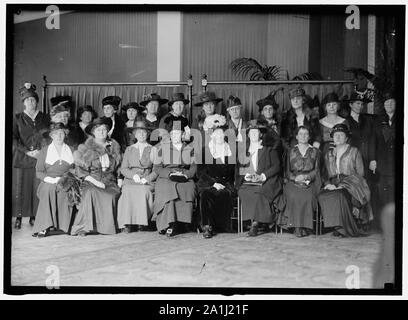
(390, 94)
(330, 97)
(27, 91)
(139, 124)
(341, 127)
(58, 108)
(257, 124)
(357, 97)
(233, 102)
(133, 105)
(98, 122)
(269, 100)
(296, 92)
(178, 96)
(153, 97)
(207, 96)
(61, 100)
(111, 100)
(53, 127)
(175, 123)
(86, 108)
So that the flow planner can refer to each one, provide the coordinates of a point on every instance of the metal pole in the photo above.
(204, 83)
(190, 93)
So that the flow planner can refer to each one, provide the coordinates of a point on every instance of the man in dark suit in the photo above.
(384, 130)
(110, 107)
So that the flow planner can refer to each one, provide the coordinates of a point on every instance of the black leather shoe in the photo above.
(17, 224)
(42, 234)
(171, 232)
(207, 233)
(32, 220)
(253, 232)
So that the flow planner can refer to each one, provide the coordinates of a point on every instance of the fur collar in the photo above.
(90, 151)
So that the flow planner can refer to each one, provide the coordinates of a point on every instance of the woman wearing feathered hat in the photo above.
(216, 179)
(135, 207)
(344, 201)
(28, 127)
(96, 163)
(259, 184)
(174, 187)
(54, 164)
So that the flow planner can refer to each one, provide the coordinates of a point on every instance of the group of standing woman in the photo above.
(105, 175)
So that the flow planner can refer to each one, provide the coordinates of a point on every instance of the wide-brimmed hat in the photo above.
(111, 100)
(61, 100)
(178, 96)
(268, 100)
(207, 96)
(341, 127)
(389, 94)
(98, 122)
(27, 91)
(139, 124)
(53, 127)
(296, 92)
(330, 97)
(133, 105)
(58, 108)
(233, 102)
(357, 97)
(256, 124)
(153, 97)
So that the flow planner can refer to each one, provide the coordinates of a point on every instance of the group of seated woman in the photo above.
(270, 165)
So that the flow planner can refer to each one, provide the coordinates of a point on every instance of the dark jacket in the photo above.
(385, 145)
(27, 136)
(118, 130)
(289, 127)
(362, 136)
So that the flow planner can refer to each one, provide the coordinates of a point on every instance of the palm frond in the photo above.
(243, 66)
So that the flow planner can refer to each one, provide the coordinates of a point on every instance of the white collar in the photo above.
(308, 147)
(355, 115)
(140, 144)
(53, 156)
(324, 122)
(255, 146)
(82, 125)
(152, 118)
(32, 117)
(219, 151)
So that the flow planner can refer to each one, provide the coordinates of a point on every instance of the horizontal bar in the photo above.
(280, 82)
(163, 83)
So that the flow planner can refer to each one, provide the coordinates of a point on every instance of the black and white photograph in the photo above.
(192, 148)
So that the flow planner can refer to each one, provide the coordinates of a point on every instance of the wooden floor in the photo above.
(187, 260)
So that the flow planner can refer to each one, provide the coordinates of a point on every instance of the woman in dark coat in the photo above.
(344, 201)
(216, 181)
(269, 116)
(303, 184)
(174, 187)
(110, 108)
(259, 184)
(133, 114)
(96, 162)
(28, 127)
(299, 115)
(152, 104)
(85, 115)
(54, 161)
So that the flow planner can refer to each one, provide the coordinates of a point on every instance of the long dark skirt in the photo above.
(26, 185)
(216, 208)
(97, 211)
(301, 203)
(53, 209)
(336, 210)
(255, 206)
